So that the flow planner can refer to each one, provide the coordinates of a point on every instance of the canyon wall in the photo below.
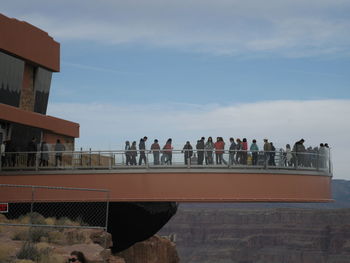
(280, 235)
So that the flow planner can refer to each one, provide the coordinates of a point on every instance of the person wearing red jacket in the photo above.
(219, 146)
(168, 152)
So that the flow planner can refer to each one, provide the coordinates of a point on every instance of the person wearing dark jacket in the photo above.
(133, 153)
(59, 148)
(200, 150)
(32, 149)
(142, 148)
(127, 153)
(188, 152)
(232, 151)
(44, 154)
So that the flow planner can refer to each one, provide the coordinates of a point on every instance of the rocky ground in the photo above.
(53, 245)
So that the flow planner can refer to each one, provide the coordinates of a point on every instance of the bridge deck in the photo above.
(176, 184)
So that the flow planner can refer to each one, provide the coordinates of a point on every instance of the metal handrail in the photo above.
(195, 158)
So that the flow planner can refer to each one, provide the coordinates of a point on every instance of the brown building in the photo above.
(28, 57)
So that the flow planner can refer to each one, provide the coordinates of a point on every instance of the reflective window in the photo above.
(11, 76)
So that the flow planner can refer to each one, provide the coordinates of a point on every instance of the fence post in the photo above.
(32, 204)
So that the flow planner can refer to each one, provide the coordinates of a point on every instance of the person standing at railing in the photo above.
(239, 151)
(188, 152)
(244, 151)
(155, 148)
(59, 149)
(200, 151)
(44, 154)
(219, 150)
(299, 150)
(267, 149)
(322, 156)
(133, 153)
(11, 155)
(168, 152)
(32, 149)
(142, 148)
(272, 155)
(254, 149)
(127, 153)
(3, 154)
(232, 151)
(327, 156)
(289, 156)
(209, 147)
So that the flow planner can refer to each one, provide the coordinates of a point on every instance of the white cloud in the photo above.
(288, 28)
(108, 126)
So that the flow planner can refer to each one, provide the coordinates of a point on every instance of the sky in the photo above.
(190, 68)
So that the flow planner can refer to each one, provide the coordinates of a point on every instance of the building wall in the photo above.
(28, 56)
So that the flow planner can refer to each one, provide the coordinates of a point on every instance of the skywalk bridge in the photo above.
(305, 178)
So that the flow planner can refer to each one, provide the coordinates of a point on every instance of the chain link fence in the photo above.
(44, 224)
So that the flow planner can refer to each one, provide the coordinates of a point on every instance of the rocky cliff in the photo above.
(261, 235)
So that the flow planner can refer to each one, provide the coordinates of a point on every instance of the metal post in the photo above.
(81, 156)
(147, 160)
(36, 161)
(110, 160)
(90, 157)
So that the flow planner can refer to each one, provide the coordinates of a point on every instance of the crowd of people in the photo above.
(9, 154)
(205, 151)
(239, 152)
